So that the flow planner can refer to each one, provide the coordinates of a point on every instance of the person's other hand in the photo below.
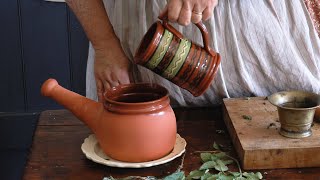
(110, 71)
(186, 11)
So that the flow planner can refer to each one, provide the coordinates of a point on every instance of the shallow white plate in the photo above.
(92, 150)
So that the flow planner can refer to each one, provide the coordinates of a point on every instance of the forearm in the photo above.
(95, 22)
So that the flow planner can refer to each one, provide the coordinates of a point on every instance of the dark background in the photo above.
(39, 40)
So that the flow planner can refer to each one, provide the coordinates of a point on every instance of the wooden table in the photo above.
(56, 152)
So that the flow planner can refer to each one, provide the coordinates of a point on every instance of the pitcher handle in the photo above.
(201, 27)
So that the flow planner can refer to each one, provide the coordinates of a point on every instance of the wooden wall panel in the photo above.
(39, 40)
(78, 51)
(45, 47)
(11, 65)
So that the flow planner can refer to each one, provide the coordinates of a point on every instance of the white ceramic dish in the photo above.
(92, 151)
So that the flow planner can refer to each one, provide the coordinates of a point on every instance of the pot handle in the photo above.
(201, 27)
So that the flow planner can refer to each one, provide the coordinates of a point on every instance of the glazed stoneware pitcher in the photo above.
(135, 123)
(166, 52)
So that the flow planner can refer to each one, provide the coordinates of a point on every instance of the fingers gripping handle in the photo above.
(201, 27)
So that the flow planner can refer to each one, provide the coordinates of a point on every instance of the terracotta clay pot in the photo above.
(135, 123)
(166, 52)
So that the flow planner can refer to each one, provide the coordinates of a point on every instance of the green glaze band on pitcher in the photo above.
(161, 50)
(178, 59)
(166, 52)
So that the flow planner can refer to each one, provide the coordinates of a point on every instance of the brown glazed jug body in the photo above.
(135, 123)
(166, 52)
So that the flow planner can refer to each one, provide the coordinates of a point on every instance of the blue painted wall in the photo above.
(39, 40)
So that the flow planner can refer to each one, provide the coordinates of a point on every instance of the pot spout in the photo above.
(85, 109)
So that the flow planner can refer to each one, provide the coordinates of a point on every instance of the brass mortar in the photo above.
(296, 111)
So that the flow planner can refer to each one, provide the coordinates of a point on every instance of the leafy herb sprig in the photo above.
(214, 167)
(218, 160)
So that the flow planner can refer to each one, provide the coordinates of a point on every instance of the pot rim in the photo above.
(137, 107)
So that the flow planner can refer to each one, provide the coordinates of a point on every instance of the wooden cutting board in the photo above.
(258, 142)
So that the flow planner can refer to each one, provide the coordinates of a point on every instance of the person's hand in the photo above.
(110, 71)
(186, 11)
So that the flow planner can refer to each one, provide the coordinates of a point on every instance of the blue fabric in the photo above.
(16, 134)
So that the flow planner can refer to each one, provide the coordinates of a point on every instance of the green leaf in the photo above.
(226, 162)
(235, 174)
(176, 176)
(108, 178)
(247, 117)
(253, 176)
(216, 146)
(151, 178)
(220, 166)
(214, 157)
(225, 177)
(206, 176)
(259, 175)
(213, 177)
(128, 178)
(240, 178)
(219, 155)
(205, 157)
(208, 165)
(196, 174)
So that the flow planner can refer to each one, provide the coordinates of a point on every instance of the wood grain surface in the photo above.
(258, 142)
(56, 152)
